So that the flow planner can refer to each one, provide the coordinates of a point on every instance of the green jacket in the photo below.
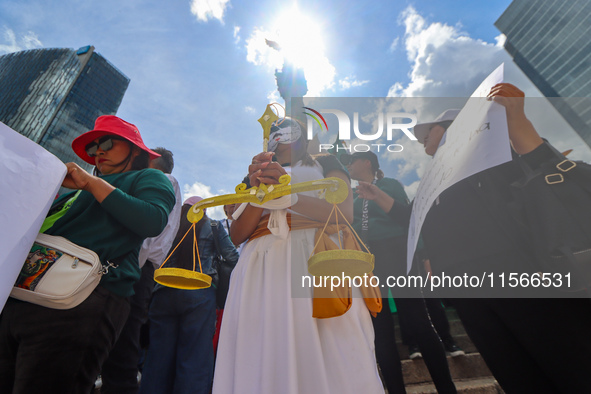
(381, 226)
(136, 210)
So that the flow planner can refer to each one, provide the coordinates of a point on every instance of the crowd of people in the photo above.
(270, 337)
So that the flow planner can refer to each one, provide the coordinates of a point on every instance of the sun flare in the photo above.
(300, 39)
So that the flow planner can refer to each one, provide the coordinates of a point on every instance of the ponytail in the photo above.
(379, 174)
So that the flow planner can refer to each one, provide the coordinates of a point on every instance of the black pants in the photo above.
(412, 310)
(119, 372)
(390, 255)
(532, 345)
(438, 318)
(46, 350)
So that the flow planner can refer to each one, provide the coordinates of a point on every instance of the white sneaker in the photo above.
(99, 382)
(414, 352)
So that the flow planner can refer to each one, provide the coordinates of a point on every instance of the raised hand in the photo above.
(367, 191)
(522, 133)
(263, 170)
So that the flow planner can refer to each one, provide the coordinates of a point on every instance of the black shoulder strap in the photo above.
(569, 181)
(571, 184)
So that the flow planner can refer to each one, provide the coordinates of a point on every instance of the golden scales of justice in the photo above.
(331, 262)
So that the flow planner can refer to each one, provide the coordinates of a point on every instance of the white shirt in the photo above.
(156, 248)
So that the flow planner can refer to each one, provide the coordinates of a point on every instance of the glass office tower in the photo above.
(550, 40)
(53, 95)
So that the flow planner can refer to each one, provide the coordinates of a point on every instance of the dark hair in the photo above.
(165, 162)
(141, 161)
(379, 174)
(347, 159)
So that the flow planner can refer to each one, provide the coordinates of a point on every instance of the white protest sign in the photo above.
(478, 139)
(31, 177)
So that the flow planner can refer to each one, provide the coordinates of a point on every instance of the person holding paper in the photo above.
(61, 351)
(525, 342)
(119, 372)
(386, 240)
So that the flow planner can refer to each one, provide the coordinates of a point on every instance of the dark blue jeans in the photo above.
(180, 358)
(45, 350)
(119, 371)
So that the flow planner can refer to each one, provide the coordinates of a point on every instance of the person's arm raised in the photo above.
(523, 135)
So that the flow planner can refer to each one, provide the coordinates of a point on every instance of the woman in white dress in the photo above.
(270, 342)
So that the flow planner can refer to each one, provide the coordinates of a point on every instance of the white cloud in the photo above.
(204, 191)
(30, 40)
(411, 190)
(197, 189)
(446, 63)
(351, 82)
(394, 44)
(13, 44)
(237, 37)
(259, 53)
(205, 10)
(273, 96)
(501, 40)
(249, 109)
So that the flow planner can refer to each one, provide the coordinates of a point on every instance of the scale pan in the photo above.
(180, 278)
(341, 262)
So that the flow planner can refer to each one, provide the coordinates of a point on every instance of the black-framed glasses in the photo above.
(105, 143)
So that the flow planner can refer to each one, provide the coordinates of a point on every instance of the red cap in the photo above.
(109, 125)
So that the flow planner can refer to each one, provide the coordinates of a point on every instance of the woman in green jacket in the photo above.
(386, 239)
(61, 351)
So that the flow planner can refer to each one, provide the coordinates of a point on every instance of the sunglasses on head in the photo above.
(105, 143)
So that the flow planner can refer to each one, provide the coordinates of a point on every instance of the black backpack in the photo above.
(223, 268)
(555, 206)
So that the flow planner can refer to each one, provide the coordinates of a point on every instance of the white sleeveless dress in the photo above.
(269, 341)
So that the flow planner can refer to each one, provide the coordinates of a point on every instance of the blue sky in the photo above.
(201, 74)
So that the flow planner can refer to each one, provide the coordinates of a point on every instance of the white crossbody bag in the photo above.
(58, 274)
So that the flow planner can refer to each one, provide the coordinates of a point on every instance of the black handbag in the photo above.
(555, 202)
(223, 268)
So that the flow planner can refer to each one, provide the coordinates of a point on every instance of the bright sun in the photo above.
(300, 38)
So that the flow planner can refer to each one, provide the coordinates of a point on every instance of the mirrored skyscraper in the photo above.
(53, 95)
(550, 40)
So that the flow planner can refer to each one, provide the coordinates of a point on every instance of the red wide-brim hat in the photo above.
(110, 125)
